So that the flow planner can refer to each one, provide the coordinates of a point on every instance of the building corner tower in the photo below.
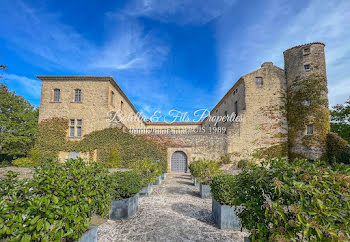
(307, 101)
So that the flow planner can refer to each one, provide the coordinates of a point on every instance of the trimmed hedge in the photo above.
(58, 202)
(147, 169)
(125, 184)
(222, 187)
(290, 201)
(204, 170)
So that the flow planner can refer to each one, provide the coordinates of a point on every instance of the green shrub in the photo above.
(222, 187)
(337, 149)
(290, 201)
(243, 163)
(224, 159)
(56, 204)
(23, 162)
(147, 169)
(125, 184)
(204, 170)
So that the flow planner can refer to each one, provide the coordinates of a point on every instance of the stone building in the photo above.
(258, 116)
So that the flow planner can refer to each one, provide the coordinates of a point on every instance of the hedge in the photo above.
(58, 202)
(204, 170)
(147, 169)
(290, 201)
(125, 184)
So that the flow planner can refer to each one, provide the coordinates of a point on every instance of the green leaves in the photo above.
(204, 170)
(290, 201)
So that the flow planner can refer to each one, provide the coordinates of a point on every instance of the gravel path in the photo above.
(173, 212)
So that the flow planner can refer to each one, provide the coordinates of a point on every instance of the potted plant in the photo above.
(206, 171)
(223, 209)
(145, 169)
(124, 190)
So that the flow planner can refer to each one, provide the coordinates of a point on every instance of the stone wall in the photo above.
(209, 146)
(308, 101)
(264, 122)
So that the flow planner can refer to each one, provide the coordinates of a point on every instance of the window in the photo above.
(259, 81)
(306, 50)
(122, 106)
(307, 67)
(226, 116)
(112, 98)
(75, 125)
(79, 124)
(310, 129)
(236, 107)
(71, 128)
(56, 95)
(77, 96)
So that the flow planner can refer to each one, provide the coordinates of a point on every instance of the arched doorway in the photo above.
(179, 162)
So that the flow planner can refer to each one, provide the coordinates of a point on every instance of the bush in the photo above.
(125, 184)
(337, 149)
(222, 187)
(23, 162)
(57, 203)
(204, 170)
(147, 169)
(224, 159)
(290, 201)
(243, 163)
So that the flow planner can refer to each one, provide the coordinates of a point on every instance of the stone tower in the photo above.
(307, 101)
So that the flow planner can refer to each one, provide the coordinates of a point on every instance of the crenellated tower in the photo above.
(307, 101)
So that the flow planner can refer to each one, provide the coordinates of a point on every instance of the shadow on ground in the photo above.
(176, 190)
(192, 211)
(185, 183)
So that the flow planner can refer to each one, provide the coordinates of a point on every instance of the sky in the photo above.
(167, 54)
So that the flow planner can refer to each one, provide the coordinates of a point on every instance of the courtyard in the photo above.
(173, 212)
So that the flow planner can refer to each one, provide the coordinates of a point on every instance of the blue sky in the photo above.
(167, 54)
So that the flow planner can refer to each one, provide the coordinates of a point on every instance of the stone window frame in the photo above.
(75, 126)
(307, 48)
(55, 91)
(310, 129)
(259, 81)
(78, 95)
(307, 64)
(112, 98)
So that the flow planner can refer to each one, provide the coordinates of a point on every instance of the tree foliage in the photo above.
(340, 120)
(18, 124)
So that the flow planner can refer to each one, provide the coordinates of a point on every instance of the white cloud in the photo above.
(283, 27)
(130, 47)
(182, 12)
(27, 86)
(37, 34)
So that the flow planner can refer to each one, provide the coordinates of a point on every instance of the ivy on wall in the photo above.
(112, 144)
(300, 114)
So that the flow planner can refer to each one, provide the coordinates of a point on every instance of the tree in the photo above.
(340, 120)
(18, 124)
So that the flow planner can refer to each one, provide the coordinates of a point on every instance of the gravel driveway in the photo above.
(173, 212)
